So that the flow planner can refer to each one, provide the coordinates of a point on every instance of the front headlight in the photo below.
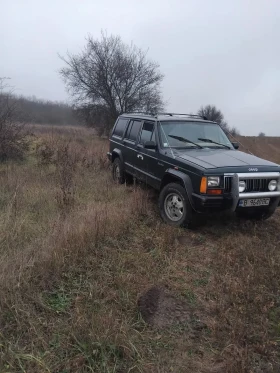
(213, 181)
(272, 185)
(242, 186)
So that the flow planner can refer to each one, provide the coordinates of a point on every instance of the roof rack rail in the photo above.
(187, 115)
(140, 112)
(169, 114)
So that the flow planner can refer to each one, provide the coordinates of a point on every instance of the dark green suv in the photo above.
(197, 170)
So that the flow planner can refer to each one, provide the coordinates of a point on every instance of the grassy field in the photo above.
(76, 251)
(264, 147)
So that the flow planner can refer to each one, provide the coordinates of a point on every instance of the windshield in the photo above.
(193, 135)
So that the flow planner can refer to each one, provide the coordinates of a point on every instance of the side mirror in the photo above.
(150, 145)
(235, 145)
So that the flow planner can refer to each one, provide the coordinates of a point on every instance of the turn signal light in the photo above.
(203, 185)
(214, 191)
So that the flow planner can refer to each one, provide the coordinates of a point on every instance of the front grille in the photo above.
(256, 185)
(252, 185)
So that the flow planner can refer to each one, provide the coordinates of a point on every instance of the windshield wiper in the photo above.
(214, 142)
(183, 139)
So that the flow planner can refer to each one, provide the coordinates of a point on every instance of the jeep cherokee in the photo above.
(197, 170)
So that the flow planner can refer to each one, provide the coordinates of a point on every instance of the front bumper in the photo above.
(226, 202)
(203, 203)
(109, 155)
(229, 200)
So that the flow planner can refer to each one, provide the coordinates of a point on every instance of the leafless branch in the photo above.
(108, 78)
(212, 113)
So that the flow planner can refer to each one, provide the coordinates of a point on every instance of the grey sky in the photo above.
(222, 52)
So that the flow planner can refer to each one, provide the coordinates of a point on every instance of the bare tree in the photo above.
(109, 78)
(261, 134)
(210, 112)
(234, 131)
(12, 136)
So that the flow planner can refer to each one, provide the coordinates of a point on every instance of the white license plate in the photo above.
(254, 202)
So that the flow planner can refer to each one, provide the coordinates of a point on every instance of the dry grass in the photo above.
(76, 251)
(264, 147)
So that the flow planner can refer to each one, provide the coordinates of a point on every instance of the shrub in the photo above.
(13, 138)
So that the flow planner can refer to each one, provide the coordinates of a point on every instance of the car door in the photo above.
(147, 161)
(129, 148)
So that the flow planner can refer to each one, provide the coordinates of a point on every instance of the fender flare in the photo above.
(119, 154)
(186, 181)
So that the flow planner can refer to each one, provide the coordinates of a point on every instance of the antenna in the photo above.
(235, 139)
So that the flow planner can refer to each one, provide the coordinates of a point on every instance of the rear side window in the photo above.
(147, 132)
(128, 129)
(133, 130)
(120, 127)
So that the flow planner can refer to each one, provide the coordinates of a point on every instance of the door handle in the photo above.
(140, 156)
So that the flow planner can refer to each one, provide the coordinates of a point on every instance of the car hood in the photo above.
(215, 158)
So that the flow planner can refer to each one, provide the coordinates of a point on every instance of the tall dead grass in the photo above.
(76, 251)
(54, 215)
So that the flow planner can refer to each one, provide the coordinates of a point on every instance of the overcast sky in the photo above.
(221, 52)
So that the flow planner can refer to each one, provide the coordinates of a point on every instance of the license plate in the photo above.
(254, 202)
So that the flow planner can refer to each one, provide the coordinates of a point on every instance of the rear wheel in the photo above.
(174, 205)
(254, 214)
(118, 171)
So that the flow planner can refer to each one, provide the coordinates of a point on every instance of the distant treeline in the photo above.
(34, 110)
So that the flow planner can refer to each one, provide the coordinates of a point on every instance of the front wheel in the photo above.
(174, 205)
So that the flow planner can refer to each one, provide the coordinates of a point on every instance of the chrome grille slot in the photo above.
(227, 183)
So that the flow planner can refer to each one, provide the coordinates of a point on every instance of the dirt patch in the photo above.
(160, 308)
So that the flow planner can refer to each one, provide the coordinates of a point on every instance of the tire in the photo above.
(262, 214)
(118, 171)
(174, 205)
